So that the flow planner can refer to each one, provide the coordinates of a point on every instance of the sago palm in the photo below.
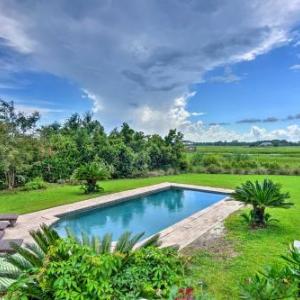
(261, 195)
(26, 261)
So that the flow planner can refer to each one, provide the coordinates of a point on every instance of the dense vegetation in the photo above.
(90, 268)
(55, 151)
(30, 154)
(245, 160)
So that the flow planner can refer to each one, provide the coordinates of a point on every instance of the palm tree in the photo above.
(29, 258)
(261, 195)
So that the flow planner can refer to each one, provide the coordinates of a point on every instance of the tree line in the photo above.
(55, 151)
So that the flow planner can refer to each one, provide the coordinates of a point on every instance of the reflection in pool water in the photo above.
(149, 214)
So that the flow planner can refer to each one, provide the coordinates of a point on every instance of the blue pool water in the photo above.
(149, 214)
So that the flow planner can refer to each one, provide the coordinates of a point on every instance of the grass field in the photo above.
(289, 156)
(221, 272)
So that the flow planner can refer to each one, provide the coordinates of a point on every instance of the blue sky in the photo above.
(218, 70)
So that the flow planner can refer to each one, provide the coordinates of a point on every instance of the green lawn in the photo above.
(222, 274)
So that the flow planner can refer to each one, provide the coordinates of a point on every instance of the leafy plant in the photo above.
(35, 184)
(261, 195)
(250, 218)
(18, 270)
(54, 268)
(272, 284)
(90, 268)
(91, 173)
(125, 243)
(275, 282)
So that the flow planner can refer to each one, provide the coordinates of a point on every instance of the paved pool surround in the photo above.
(181, 233)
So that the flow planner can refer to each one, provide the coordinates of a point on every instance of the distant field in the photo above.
(289, 156)
(251, 150)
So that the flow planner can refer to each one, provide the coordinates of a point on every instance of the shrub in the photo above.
(214, 169)
(275, 282)
(148, 272)
(86, 268)
(261, 195)
(35, 184)
(90, 173)
(197, 158)
(209, 160)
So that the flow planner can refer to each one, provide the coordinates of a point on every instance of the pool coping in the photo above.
(181, 233)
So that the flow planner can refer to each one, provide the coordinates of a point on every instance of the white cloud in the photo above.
(156, 120)
(295, 67)
(200, 132)
(97, 103)
(133, 58)
(29, 109)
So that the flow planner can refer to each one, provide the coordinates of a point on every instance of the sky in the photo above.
(215, 70)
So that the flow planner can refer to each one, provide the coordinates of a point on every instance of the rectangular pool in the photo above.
(148, 213)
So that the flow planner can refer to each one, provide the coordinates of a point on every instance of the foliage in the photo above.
(17, 146)
(35, 184)
(261, 195)
(275, 282)
(73, 271)
(91, 173)
(55, 151)
(17, 272)
(88, 268)
(245, 160)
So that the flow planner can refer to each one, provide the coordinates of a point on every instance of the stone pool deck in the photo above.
(181, 233)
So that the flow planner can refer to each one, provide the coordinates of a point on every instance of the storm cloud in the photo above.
(135, 59)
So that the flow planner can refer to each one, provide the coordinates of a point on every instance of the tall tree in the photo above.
(16, 141)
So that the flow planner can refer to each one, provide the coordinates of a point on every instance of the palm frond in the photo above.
(106, 244)
(122, 243)
(19, 262)
(153, 241)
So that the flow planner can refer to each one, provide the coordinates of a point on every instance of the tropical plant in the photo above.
(90, 173)
(261, 195)
(74, 271)
(19, 272)
(271, 284)
(275, 282)
(125, 243)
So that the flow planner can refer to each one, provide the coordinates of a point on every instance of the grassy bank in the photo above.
(222, 272)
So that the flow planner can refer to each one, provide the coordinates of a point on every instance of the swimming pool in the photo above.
(147, 213)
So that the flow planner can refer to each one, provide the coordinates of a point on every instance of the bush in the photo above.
(90, 173)
(35, 184)
(197, 158)
(275, 282)
(261, 195)
(209, 160)
(75, 271)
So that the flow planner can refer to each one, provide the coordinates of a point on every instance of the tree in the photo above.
(91, 173)
(16, 141)
(261, 195)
